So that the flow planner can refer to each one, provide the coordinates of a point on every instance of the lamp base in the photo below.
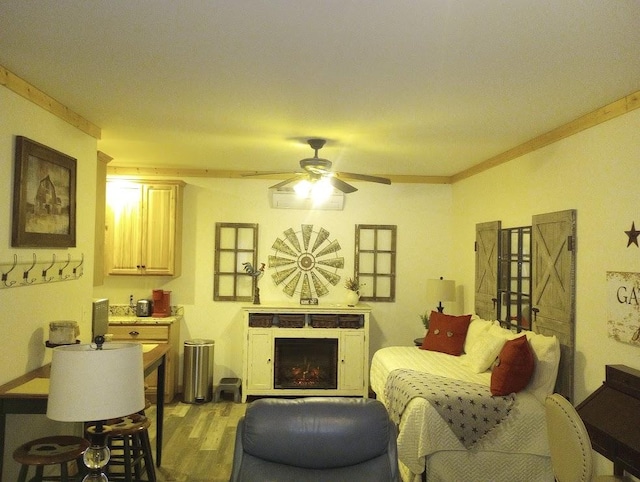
(97, 456)
(96, 477)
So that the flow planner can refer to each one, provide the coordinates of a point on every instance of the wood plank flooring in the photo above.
(198, 440)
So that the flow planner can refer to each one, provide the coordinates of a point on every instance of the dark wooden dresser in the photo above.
(612, 417)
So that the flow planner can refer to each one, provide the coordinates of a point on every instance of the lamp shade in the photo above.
(441, 289)
(87, 384)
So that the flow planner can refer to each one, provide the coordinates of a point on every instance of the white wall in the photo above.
(594, 172)
(421, 213)
(27, 311)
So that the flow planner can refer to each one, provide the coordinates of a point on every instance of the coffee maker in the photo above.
(161, 303)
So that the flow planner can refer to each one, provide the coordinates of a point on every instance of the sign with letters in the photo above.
(623, 301)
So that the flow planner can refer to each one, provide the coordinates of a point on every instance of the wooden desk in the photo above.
(29, 394)
(612, 417)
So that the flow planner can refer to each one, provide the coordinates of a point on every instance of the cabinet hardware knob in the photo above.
(134, 333)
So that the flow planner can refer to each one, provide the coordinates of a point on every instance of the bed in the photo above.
(514, 450)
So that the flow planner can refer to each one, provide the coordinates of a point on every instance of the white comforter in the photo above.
(424, 433)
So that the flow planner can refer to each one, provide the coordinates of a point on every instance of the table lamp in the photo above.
(95, 383)
(441, 290)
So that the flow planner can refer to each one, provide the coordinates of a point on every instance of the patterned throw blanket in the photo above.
(468, 408)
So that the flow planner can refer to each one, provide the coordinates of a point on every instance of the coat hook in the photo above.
(76, 267)
(61, 270)
(25, 275)
(5, 276)
(44, 271)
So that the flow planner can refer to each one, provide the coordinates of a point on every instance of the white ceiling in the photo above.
(422, 87)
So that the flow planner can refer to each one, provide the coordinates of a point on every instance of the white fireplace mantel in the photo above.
(348, 325)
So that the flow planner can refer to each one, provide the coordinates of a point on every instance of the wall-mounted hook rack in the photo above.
(61, 274)
(25, 275)
(44, 271)
(5, 275)
(11, 276)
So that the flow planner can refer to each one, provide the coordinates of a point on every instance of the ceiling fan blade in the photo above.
(340, 185)
(363, 177)
(295, 178)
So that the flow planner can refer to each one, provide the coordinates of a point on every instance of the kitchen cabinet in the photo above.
(266, 326)
(152, 331)
(143, 227)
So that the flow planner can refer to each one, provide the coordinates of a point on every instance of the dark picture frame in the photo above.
(44, 197)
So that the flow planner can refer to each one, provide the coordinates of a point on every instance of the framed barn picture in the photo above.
(44, 197)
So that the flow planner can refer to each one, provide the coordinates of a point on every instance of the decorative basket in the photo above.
(291, 321)
(260, 320)
(350, 321)
(324, 321)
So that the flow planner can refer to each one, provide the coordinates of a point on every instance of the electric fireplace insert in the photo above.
(306, 363)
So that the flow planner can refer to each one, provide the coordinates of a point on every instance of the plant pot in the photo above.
(352, 298)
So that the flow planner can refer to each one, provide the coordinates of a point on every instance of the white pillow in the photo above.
(496, 330)
(546, 350)
(483, 352)
(476, 328)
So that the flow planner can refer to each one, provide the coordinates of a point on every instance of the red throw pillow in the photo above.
(446, 333)
(514, 367)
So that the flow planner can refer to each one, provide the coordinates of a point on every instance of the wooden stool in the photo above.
(130, 448)
(56, 450)
(228, 385)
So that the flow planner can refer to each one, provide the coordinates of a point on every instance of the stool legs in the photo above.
(130, 450)
(57, 450)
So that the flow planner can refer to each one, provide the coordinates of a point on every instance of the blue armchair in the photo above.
(315, 439)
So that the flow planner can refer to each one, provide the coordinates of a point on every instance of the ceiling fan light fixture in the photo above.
(317, 171)
(303, 188)
(321, 190)
(318, 190)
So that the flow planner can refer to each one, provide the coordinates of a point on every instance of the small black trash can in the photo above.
(197, 381)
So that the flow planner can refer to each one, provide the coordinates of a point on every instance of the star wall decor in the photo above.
(633, 235)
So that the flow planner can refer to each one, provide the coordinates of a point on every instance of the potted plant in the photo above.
(353, 291)
(424, 317)
(352, 284)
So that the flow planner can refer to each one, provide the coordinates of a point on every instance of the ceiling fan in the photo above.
(316, 169)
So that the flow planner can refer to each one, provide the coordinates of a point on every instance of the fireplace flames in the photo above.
(305, 376)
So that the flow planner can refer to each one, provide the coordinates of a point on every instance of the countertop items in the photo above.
(116, 312)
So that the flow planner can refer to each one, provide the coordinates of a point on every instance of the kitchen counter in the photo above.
(142, 320)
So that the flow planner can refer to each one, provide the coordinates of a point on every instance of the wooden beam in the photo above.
(35, 95)
(598, 116)
(229, 174)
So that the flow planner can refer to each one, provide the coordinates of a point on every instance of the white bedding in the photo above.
(516, 450)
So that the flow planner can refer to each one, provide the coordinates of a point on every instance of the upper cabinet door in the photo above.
(123, 237)
(159, 229)
(143, 228)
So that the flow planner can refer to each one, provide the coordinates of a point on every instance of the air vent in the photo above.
(286, 198)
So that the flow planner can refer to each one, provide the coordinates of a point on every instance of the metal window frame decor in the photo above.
(514, 278)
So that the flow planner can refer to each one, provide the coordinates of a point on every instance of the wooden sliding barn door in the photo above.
(486, 285)
(553, 286)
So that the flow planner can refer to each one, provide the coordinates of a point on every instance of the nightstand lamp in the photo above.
(441, 290)
(95, 383)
